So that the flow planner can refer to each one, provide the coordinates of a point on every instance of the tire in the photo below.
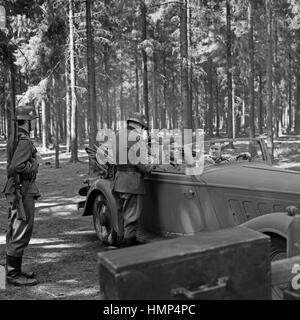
(278, 248)
(278, 252)
(102, 221)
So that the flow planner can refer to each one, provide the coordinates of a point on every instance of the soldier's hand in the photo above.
(244, 156)
(208, 160)
(35, 166)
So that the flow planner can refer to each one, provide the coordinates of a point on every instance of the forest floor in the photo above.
(63, 249)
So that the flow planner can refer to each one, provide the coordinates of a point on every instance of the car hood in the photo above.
(254, 177)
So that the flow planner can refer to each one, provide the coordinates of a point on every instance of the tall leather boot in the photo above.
(15, 276)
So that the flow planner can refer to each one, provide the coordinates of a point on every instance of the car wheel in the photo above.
(278, 252)
(102, 221)
(278, 248)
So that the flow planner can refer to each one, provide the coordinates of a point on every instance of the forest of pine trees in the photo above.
(230, 67)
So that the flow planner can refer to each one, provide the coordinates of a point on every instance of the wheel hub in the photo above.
(103, 217)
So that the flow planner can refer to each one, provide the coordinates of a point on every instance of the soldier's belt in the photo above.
(25, 176)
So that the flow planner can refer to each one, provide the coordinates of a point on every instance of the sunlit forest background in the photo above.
(231, 68)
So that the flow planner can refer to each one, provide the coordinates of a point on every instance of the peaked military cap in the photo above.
(26, 112)
(138, 118)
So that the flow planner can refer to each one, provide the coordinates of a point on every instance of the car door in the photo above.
(171, 204)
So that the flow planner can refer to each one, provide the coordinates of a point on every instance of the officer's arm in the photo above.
(146, 168)
(21, 161)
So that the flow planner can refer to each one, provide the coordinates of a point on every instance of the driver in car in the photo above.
(215, 155)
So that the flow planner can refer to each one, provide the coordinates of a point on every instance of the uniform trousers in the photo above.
(19, 232)
(129, 210)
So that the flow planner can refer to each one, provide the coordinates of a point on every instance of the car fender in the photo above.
(272, 223)
(102, 187)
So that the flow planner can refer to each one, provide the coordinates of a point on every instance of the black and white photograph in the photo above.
(149, 153)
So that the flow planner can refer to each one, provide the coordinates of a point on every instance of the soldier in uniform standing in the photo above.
(128, 189)
(22, 167)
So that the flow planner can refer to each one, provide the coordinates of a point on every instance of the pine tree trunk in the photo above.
(74, 142)
(260, 106)
(144, 56)
(106, 86)
(165, 106)
(243, 117)
(44, 126)
(39, 122)
(55, 123)
(80, 123)
(121, 97)
(229, 71)
(68, 109)
(277, 98)
(137, 90)
(217, 108)
(251, 69)
(115, 108)
(206, 108)
(48, 121)
(91, 88)
(269, 64)
(155, 98)
(61, 122)
(233, 111)
(197, 114)
(174, 102)
(211, 99)
(290, 112)
(186, 111)
(297, 112)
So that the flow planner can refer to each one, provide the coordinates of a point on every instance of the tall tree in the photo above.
(230, 114)
(143, 9)
(91, 85)
(74, 140)
(251, 68)
(269, 63)
(185, 106)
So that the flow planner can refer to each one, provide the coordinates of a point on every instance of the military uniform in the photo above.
(128, 188)
(23, 163)
(224, 159)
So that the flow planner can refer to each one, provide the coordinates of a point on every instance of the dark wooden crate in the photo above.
(194, 267)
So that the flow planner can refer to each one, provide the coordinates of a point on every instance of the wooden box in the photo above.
(227, 264)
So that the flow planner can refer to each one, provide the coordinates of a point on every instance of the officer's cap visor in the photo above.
(26, 117)
(138, 122)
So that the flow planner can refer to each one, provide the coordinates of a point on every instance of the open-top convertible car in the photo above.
(247, 191)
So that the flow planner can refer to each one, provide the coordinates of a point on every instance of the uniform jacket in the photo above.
(24, 163)
(130, 178)
(222, 159)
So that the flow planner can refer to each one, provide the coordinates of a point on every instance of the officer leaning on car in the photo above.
(128, 188)
(21, 192)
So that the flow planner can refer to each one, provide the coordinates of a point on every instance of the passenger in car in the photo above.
(215, 155)
(170, 157)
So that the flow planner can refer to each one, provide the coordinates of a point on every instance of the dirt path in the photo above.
(63, 249)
